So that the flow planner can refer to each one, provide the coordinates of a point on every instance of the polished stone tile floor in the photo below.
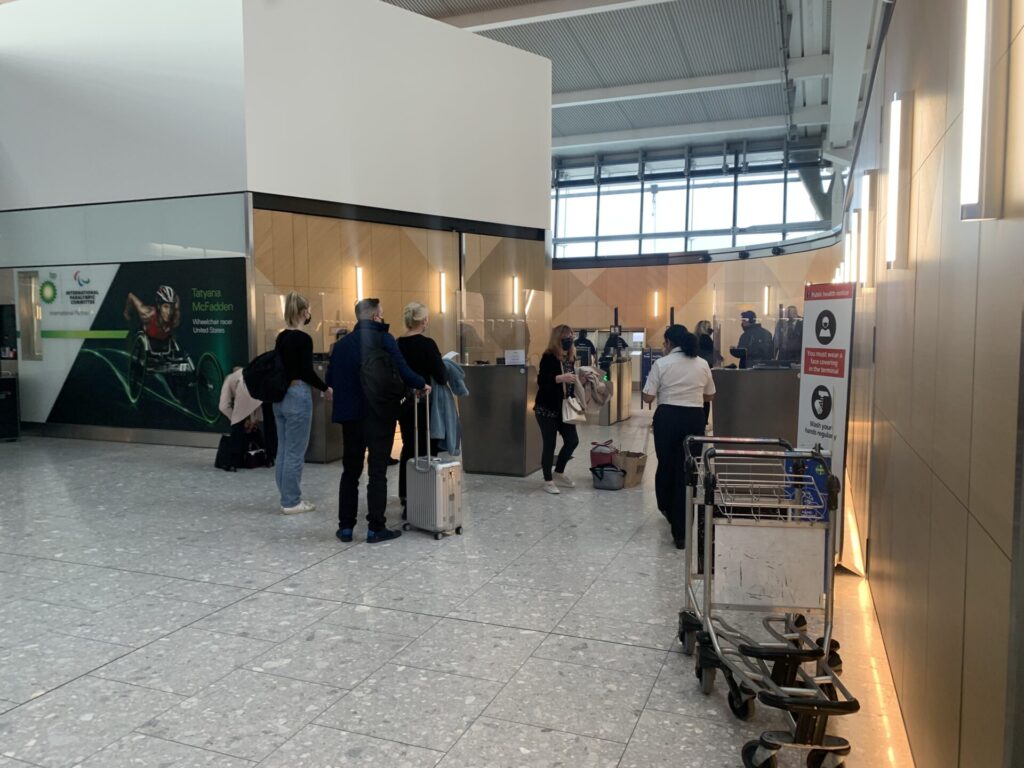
(157, 612)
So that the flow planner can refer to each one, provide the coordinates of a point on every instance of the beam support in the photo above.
(851, 30)
(814, 116)
(545, 10)
(799, 69)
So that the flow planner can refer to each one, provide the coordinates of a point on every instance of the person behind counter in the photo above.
(585, 345)
(681, 382)
(789, 336)
(705, 342)
(554, 382)
(615, 344)
(755, 341)
(421, 353)
(293, 416)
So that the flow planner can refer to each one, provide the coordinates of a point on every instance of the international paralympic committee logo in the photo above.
(82, 281)
(48, 292)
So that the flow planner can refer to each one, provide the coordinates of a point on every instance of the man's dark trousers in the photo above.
(373, 435)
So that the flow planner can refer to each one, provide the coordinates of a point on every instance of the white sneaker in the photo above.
(550, 487)
(298, 509)
(563, 480)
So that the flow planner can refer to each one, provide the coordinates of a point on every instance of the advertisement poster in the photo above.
(825, 372)
(139, 345)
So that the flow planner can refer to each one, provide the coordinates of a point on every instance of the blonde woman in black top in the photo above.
(421, 353)
(293, 416)
(554, 380)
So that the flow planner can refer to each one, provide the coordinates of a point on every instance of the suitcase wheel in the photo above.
(438, 536)
(458, 531)
(406, 526)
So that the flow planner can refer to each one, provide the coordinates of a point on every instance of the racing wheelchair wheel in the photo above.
(138, 358)
(209, 378)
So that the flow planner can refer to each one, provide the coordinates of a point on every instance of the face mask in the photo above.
(566, 344)
(309, 319)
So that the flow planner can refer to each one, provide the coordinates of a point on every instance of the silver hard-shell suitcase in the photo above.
(433, 488)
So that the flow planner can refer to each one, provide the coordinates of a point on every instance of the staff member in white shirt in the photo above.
(681, 383)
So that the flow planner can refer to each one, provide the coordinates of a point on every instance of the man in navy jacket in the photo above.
(362, 428)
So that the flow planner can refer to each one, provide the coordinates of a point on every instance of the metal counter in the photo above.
(500, 435)
(620, 407)
(10, 416)
(324, 435)
(756, 403)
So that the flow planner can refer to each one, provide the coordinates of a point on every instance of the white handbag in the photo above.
(573, 411)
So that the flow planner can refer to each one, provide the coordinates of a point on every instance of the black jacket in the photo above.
(549, 393)
(758, 343)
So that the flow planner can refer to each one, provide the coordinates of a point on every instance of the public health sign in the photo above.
(825, 375)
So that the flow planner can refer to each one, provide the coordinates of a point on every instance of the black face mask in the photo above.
(308, 321)
(566, 344)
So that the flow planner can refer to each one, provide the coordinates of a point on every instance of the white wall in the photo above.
(150, 230)
(361, 102)
(112, 100)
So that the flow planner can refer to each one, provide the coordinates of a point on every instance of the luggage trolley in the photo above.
(769, 542)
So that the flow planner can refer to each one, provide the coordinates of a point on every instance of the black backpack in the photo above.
(382, 384)
(265, 378)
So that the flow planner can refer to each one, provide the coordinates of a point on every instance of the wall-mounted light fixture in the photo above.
(853, 257)
(767, 291)
(359, 283)
(444, 295)
(984, 114)
(515, 294)
(897, 224)
(656, 297)
(867, 229)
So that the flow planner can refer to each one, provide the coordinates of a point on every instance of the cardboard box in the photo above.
(633, 463)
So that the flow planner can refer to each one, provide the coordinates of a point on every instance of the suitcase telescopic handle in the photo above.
(416, 430)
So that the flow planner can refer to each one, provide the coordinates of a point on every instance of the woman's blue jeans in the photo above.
(293, 417)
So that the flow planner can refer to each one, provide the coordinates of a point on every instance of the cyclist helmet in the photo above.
(165, 295)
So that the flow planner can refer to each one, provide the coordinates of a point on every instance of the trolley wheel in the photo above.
(458, 531)
(137, 367)
(689, 640)
(406, 527)
(742, 707)
(438, 536)
(706, 675)
(749, 750)
(816, 759)
(209, 379)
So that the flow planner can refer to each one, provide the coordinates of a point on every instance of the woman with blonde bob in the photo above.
(554, 383)
(294, 414)
(421, 353)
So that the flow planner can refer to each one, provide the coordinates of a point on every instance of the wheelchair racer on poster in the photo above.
(159, 322)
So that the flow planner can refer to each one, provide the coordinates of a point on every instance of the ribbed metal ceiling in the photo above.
(688, 38)
(649, 44)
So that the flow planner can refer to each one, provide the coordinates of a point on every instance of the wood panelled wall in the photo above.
(944, 417)
(318, 256)
(585, 298)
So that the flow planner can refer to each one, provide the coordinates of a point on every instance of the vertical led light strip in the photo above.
(897, 210)
(866, 230)
(764, 312)
(359, 283)
(984, 109)
(444, 295)
(853, 257)
(515, 294)
(656, 304)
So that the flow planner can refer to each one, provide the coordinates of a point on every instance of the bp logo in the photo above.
(48, 292)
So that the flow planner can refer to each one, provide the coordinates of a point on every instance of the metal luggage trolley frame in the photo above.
(775, 535)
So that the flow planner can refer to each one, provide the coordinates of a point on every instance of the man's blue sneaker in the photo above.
(372, 537)
(345, 534)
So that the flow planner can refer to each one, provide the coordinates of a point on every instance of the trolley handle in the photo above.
(695, 440)
(808, 705)
(416, 431)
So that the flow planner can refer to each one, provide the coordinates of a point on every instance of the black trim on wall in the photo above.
(287, 204)
(646, 260)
